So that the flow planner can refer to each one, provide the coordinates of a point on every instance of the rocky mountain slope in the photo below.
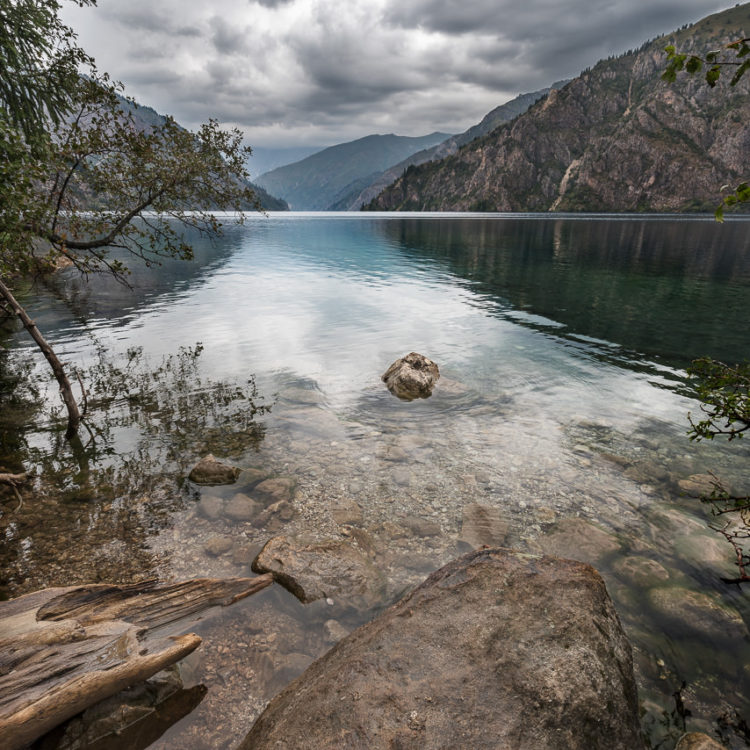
(354, 200)
(324, 178)
(617, 138)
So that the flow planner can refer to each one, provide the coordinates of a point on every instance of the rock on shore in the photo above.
(497, 649)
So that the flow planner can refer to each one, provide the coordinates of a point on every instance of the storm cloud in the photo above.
(300, 72)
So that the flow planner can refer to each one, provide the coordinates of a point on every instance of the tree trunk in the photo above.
(74, 414)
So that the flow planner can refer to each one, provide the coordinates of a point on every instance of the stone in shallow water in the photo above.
(241, 508)
(420, 526)
(279, 511)
(577, 539)
(401, 476)
(321, 570)
(244, 554)
(482, 524)
(697, 485)
(274, 490)
(392, 453)
(347, 512)
(641, 571)
(334, 631)
(249, 478)
(698, 612)
(209, 470)
(218, 545)
(495, 650)
(707, 550)
(412, 376)
(211, 507)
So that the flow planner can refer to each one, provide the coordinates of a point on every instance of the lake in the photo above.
(562, 343)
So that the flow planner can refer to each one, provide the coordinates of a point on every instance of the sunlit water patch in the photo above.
(562, 407)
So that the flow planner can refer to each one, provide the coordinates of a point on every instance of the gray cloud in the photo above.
(272, 3)
(297, 72)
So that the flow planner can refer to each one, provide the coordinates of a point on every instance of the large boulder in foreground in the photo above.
(498, 649)
(412, 376)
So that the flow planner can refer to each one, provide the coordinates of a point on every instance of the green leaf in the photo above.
(712, 75)
(694, 65)
(740, 72)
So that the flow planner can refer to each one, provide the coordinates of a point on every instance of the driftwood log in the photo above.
(64, 649)
(12, 479)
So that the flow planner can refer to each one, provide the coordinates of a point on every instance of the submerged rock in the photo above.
(210, 470)
(281, 510)
(482, 524)
(244, 554)
(321, 570)
(249, 478)
(497, 649)
(211, 507)
(697, 485)
(334, 631)
(412, 376)
(698, 612)
(347, 511)
(420, 526)
(577, 539)
(275, 490)
(218, 545)
(241, 508)
(641, 571)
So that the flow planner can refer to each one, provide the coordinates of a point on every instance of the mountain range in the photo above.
(323, 179)
(349, 175)
(617, 138)
(504, 113)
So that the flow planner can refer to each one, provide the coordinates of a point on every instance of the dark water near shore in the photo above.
(562, 343)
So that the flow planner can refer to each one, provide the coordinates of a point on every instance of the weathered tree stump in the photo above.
(64, 649)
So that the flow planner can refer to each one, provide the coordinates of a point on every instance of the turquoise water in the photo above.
(562, 343)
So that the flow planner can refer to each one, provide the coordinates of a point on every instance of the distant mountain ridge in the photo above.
(264, 159)
(617, 138)
(324, 178)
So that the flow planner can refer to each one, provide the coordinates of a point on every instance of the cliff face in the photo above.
(617, 138)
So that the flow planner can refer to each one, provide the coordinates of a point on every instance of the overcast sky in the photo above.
(318, 72)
